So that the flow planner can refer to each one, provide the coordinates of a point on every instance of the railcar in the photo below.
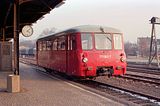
(85, 51)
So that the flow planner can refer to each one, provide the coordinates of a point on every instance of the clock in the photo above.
(27, 31)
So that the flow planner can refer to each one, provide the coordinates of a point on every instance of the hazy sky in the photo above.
(130, 16)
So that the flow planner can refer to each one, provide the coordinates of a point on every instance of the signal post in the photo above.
(153, 45)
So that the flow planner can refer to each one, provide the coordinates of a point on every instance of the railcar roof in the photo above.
(93, 28)
(86, 28)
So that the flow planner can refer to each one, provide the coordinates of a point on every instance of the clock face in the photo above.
(27, 31)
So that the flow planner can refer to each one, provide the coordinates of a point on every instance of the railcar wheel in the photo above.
(109, 75)
(92, 78)
(48, 70)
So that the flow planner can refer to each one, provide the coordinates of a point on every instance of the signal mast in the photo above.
(153, 45)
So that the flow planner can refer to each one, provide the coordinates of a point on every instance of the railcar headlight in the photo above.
(85, 60)
(123, 59)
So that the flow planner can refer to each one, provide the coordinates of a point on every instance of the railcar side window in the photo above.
(44, 46)
(49, 45)
(103, 41)
(86, 40)
(73, 42)
(61, 43)
(40, 46)
(55, 42)
(117, 41)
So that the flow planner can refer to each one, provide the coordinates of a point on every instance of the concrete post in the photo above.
(13, 83)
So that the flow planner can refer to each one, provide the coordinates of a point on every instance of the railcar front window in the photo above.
(117, 41)
(103, 41)
(86, 40)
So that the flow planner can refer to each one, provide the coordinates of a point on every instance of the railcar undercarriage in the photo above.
(103, 71)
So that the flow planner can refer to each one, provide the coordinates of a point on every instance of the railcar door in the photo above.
(71, 55)
(61, 53)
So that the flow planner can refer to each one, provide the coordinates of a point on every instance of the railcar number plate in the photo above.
(105, 56)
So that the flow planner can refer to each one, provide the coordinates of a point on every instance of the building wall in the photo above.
(5, 56)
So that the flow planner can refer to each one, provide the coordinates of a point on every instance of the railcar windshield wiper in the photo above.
(101, 29)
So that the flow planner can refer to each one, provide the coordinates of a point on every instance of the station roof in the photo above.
(30, 12)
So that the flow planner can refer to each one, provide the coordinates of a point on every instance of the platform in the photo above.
(37, 89)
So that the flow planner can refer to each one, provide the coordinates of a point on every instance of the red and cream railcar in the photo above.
(84, 51)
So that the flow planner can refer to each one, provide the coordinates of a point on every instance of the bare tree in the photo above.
(143, 46)
(48, 31)
(131, 49)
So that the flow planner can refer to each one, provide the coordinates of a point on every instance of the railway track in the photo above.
(126, 94)
(143, 66)
(144, 79)
(143, 69)
(122, 94)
